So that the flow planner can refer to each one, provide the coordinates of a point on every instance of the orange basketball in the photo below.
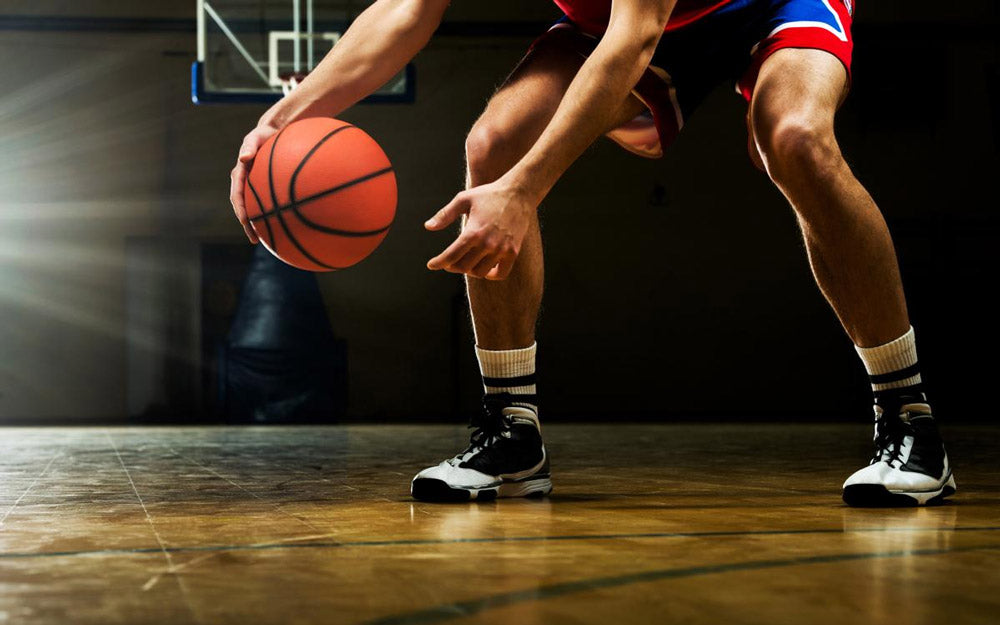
(321, 194)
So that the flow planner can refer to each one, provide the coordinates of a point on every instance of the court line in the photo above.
(459, 609)
(163, 548)
(246, 490)
(277, 546)
(30, 486)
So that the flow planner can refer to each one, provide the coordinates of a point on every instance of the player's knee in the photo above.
(484, 149)
(800, 147)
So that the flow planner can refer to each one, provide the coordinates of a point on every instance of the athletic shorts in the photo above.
(729, 44)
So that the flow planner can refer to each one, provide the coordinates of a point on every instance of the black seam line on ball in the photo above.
(281, 218)
(309, 155)
(896, 376)
(331, 191)
(295, 205)
(267, 224)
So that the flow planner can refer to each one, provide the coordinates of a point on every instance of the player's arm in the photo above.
(378, 44)
(586, 112)
(595, 95)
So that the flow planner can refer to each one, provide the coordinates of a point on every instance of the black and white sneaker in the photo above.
(505, 458)
(910, 467)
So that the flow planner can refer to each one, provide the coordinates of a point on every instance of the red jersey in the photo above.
(592, 15)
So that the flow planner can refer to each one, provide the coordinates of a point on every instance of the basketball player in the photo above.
(635, 70)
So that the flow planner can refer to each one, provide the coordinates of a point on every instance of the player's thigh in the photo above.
(522, 107)
(797, 88)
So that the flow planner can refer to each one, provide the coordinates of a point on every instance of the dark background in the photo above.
(676, 288)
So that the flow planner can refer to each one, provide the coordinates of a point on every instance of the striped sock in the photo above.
(894, 370)
(510, 371)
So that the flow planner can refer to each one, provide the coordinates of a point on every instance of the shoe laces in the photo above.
(488, 426)
(890, 432)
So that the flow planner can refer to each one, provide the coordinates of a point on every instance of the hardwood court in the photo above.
(648, 524)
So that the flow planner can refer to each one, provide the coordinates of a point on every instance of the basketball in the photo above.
(321, 194)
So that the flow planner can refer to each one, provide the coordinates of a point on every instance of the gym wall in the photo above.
(676, 288)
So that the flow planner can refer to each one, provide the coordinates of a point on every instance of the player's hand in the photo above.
(237, 178)
(498, 218)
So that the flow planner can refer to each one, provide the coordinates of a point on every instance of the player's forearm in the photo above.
(378, 44)
(586, 112)
(590, 105)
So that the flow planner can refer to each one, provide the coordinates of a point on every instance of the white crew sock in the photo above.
(510, 371)
(893, 368)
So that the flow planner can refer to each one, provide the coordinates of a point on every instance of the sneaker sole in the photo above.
(878, 496)
(439, 491)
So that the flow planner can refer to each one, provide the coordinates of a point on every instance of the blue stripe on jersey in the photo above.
(808, 13)
(794, 13)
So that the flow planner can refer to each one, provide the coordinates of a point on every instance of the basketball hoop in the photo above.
(291, 80)
(242, 59)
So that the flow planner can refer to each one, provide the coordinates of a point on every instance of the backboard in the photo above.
(255, 51)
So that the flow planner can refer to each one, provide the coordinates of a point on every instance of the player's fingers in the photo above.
(236, 182)
(469, 260)
(251, 235)
(483, 267)
(236, 194)
(453, 252)
(248, 150)
(503, 267)
(448, 214)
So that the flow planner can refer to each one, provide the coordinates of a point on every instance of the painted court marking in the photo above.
(277, 546)
(163, 548)
(459, 609)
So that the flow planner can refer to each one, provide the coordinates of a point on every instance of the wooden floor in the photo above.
(715, 524)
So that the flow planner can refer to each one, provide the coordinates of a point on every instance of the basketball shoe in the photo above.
(505, 458)
(910, 466)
